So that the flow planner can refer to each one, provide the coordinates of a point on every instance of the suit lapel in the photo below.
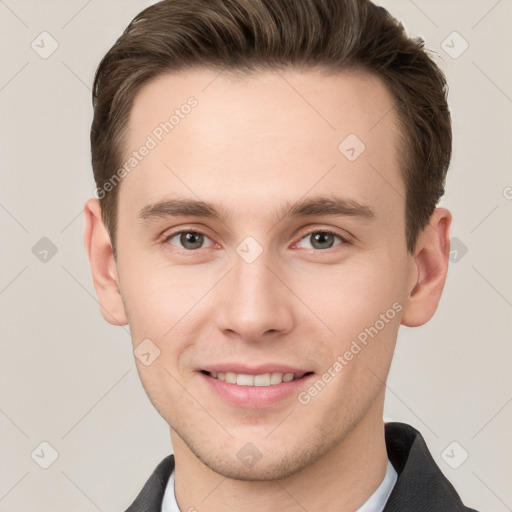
(152, 494)
(421, 486)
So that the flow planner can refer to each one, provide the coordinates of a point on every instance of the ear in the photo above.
(103, 265)
(431, 260)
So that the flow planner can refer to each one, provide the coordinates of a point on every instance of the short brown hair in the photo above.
(253, 35)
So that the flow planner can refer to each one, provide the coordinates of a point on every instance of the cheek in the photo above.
(349, 297)
(160, 299)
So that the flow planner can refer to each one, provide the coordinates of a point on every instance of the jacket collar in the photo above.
(421, 486)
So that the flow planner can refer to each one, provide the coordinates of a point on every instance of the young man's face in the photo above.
(252, 289)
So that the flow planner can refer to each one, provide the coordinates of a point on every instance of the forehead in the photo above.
(271, 134)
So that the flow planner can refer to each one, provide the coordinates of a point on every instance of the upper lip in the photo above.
(254, 370)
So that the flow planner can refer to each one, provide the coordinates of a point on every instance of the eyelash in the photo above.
(344, 240)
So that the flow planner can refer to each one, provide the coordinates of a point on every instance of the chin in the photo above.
(249, 463)
(261, 471)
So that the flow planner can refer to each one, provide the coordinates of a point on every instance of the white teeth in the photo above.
(276, 378)
(264, 379)
(245, 380)
(231, 377)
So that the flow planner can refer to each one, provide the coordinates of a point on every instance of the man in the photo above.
(267, 177)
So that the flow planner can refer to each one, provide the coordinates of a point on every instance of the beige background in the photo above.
(68, 378)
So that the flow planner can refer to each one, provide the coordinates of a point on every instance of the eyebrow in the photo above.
(320, 205)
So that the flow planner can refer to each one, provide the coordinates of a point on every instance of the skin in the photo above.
(252, 145)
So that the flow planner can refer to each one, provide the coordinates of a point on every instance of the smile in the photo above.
(254, 387)
(263, 379)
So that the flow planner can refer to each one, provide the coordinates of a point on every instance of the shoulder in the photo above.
(421, 485)
(151, 496)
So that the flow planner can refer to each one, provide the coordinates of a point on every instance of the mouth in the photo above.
(254, 387)
(260, 380)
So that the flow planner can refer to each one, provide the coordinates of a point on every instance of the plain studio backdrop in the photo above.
(68, 383)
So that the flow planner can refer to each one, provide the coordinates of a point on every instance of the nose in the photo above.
(255, 304)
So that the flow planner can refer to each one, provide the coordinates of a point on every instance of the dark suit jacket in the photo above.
(420, 487)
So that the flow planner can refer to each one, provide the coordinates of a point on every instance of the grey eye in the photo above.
(321, 240)
(189, 240)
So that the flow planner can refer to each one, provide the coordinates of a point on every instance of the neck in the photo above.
(342, 480)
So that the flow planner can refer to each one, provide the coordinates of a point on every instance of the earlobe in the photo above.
(103, 266)
(431, 260)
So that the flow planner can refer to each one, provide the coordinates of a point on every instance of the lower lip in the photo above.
(254, 397)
